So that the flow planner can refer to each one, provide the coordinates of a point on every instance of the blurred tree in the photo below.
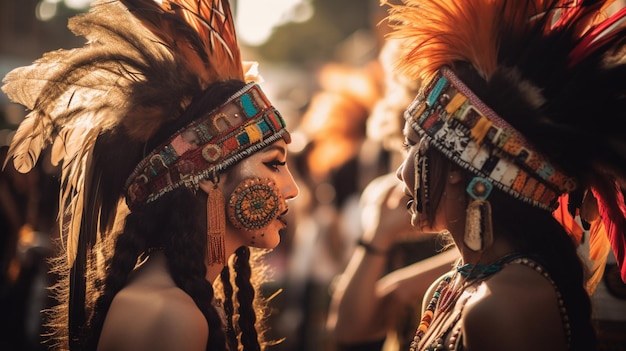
(313, 42)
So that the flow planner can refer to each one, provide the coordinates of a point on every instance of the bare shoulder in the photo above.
(142, 318)
(514, 304)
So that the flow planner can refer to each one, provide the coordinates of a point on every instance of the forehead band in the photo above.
(244, 124)
(457, 123)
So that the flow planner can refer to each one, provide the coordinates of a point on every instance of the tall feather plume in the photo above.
(143, 62)
(554, 69)
(200, 33)
(75, 95)
(450, 31)
(96, 107)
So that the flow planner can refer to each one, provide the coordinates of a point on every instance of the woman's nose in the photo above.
(399, 172)
(290, 190)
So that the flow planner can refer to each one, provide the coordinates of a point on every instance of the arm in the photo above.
(366, 301)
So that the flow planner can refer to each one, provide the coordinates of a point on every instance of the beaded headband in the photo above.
(461, 126)
(246, 123)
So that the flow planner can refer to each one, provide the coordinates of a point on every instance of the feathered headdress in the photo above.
(565, 64)
(96, 106)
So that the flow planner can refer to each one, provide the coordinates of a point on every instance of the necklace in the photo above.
(445, 296)
(437, 344)
(472, 271)
(477, 273)
(427, 317)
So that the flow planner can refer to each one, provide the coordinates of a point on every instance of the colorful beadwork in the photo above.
(468, 132)
(245, 123)
(254, 204)
(427, 316)
(475, 274)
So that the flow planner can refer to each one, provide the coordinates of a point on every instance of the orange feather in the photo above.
(445, 31)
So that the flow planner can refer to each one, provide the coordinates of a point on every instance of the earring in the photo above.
(216, 225)
(478, 227)
(421, 177)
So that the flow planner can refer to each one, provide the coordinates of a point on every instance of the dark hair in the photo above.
(533, 232)
(180, 234)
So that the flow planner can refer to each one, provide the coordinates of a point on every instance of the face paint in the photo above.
(254, 204)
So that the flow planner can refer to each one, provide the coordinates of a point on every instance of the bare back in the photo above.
(152, 313)
(517, 309)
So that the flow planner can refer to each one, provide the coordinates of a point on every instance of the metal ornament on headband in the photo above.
(244, 124)
(461, 126)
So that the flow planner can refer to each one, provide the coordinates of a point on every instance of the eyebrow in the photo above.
(274, 147)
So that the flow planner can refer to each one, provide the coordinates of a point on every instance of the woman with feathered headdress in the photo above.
(173, 166)
(511, 144)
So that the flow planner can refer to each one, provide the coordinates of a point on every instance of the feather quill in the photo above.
(96, 106)
(612, 212)
(115, 82)
(201, 33)
(568, 60)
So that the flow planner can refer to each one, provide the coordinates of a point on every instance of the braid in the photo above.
(231, 335)
(245, 296)
(186, 256)
(174, 233)
(127, 247)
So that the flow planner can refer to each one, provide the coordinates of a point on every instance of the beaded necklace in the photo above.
(448, 296)
(471, 274)
(478, 273)
(427, 317)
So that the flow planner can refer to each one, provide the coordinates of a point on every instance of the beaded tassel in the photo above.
(216, 227)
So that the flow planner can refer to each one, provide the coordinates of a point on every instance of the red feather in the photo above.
(613, 213)
(600, 34)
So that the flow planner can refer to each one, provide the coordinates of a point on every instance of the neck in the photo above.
(497, 250)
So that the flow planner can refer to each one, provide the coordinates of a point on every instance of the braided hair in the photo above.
(182, 237)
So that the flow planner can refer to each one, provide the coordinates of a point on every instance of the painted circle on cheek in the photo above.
(254, 204)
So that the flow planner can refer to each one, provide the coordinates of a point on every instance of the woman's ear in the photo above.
(222, 183)
(455, 176)
(206, 185)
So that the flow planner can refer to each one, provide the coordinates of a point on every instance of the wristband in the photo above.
(369, 248)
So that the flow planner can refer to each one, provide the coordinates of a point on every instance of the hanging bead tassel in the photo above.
(478, 228)
(216, 227)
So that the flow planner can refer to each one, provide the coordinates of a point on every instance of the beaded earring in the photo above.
(216, 225)
(421, 165)
(478, 228)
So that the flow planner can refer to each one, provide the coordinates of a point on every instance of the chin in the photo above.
(268, 238)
